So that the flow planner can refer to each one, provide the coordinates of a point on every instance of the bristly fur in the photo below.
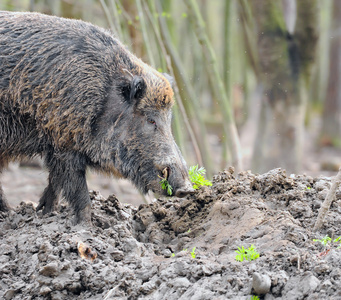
(72, 93)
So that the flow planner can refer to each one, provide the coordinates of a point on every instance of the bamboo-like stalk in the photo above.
(175, 87)
(145, 33)
(116, 18)
(187, 93)
(108, 16)
(327, 202)
(250, 42)
(226, 70)
(219, 89)
(177, 123)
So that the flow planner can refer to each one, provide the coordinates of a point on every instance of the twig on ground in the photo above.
(327, 202)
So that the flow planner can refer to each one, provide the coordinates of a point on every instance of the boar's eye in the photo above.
(151, 121)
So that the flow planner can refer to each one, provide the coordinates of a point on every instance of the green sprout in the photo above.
(173, 254)
(196, 176)
(253, 297)
(324, 241)
(247, 254)
(193, 253)
(338, 240)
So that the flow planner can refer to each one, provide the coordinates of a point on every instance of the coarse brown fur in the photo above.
(72, 93)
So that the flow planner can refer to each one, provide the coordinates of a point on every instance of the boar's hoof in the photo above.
(4, 206)
(83, 216)
(184, 192)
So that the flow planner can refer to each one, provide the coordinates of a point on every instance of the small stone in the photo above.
(9, 294)
(322, 268)
(309, 284)
(44, 290)
(261, 283)
(50, 270)
(181, 282)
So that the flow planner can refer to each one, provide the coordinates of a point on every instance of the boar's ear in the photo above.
(169, 78)
(137, 88)
(134, 89)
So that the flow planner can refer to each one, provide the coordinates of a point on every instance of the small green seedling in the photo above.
(338, 240)
(193, 253)
(173, 254)
(189, 230)
(247, 254)
(196, 176)
(325, 241)
(253, 297)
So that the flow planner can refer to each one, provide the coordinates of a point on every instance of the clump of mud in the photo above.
(144, 252)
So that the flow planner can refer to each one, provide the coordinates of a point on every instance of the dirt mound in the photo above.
(144, 253)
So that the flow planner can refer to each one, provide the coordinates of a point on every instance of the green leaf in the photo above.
(196, 176)
(193, 253)
(166, 186)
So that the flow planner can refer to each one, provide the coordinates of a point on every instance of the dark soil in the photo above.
(144, 252)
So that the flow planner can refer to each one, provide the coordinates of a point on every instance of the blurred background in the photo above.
(257, 82)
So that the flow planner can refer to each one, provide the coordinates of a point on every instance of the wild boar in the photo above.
(71, 93)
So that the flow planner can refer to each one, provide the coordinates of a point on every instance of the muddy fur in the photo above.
(73, 94)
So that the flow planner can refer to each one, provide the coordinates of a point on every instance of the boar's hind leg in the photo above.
(67, 176)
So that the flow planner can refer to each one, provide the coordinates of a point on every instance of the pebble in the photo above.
(261, 283)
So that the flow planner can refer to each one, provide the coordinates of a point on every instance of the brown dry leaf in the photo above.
(86, 252)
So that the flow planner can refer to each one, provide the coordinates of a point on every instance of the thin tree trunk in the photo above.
(285, 62)
(331, 119)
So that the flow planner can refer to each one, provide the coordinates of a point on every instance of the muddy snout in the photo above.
(179, 181)
(184, 192)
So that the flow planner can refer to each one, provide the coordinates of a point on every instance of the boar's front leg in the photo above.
(3, 203)
(67, 174)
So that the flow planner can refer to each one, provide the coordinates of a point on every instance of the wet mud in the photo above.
(144, 252)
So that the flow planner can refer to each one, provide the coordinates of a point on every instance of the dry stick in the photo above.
(219, 91)
(327, 202)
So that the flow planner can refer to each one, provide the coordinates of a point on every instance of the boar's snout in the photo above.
(184, 192)
(177, 177)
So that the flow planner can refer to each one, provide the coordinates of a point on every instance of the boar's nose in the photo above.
(184, 192)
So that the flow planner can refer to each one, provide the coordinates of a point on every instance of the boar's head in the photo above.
(136, 129)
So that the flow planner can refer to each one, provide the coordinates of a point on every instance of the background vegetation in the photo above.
(251, 77)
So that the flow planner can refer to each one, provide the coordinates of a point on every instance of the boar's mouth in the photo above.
(182, 191)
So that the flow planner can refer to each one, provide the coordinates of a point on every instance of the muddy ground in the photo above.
(141, 251)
